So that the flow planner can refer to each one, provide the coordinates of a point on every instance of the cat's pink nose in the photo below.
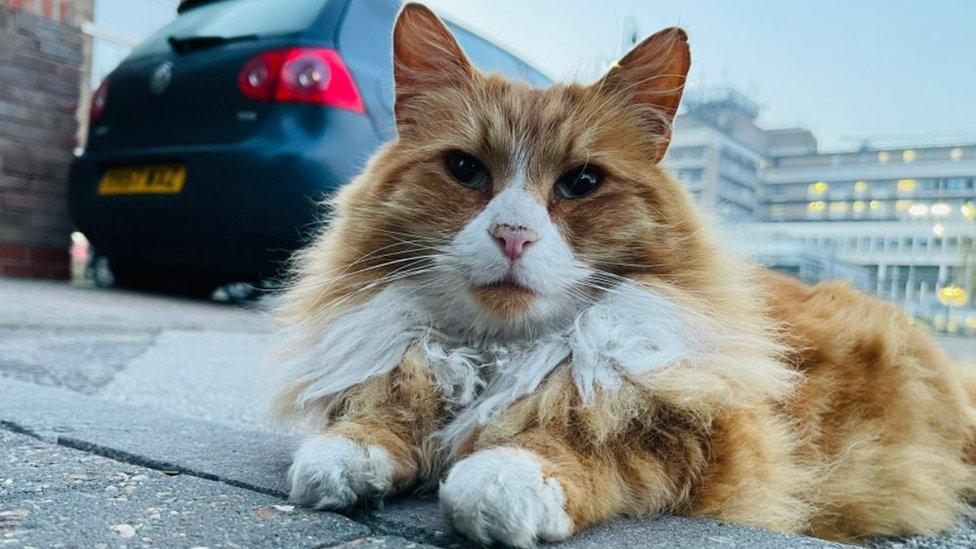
(513, 240)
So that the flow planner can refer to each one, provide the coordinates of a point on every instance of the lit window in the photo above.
(969, 211)
(918, 210)
(820, 187)
(816, 207)
(903, 205)
(940, 209)
(860, 187)
(907, 185)
(908, 156)
(884, 157)
(858, 206)
(876, 205)
(955, 154)
(838, 207)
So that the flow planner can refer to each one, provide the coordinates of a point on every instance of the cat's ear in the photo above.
(653, 76)
(425, 56)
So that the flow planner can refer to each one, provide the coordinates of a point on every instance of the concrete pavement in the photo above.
(136, 420)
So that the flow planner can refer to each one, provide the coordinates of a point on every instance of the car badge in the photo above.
(161, 78)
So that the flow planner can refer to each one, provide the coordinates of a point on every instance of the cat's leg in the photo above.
(544, 487)
(509, 495)
(371, 451)
(349, 464)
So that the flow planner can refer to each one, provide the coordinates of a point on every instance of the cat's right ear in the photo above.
(425, 57)
(653, 76)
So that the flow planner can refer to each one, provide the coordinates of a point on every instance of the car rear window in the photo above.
(491, 58)
(230, 18)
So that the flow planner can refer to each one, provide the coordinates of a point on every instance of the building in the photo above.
(718, 151)
(721, 154)
(896, 220)
(905, 213)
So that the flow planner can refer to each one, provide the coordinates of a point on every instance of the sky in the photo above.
(847, 69)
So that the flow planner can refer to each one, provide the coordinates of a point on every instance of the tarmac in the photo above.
(133, 420)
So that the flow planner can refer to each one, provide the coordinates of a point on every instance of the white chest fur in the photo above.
(628, 332)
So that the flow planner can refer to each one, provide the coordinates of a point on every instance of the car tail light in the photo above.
(303, 75)
(98, 100)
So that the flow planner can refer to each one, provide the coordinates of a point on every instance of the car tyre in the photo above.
(155, 279)
(100, 272)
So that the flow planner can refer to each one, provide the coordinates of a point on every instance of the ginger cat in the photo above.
(516, 302)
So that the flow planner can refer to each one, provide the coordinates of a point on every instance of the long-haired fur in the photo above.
(627, 364)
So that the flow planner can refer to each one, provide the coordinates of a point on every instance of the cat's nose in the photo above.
(513, 240)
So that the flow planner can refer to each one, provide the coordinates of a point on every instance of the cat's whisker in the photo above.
(355, 290)
(352, 274)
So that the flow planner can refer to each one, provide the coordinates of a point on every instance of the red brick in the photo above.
(40, 76)
(32, 262)
(25, 271)
(49, 256)
(13, 252)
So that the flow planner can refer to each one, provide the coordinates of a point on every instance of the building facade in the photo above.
(718, 152)
(905, 213)
(898, 221)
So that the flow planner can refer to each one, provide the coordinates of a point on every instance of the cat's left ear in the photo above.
(653, 75)
(425, 57)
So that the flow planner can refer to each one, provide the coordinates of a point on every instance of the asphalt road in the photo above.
(137, 420)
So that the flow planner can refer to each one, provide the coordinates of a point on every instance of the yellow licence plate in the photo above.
(156, 179)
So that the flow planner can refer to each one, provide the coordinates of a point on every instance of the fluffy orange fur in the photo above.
(828, 413)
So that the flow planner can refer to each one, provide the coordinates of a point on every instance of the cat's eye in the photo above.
(579, 182)
(467, 170)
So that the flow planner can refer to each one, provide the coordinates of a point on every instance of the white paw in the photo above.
(500, 495)
(332, 472)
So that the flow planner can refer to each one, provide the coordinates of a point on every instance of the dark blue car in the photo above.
(211, 144)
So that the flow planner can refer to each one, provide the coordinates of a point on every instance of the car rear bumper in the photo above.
(242, 211)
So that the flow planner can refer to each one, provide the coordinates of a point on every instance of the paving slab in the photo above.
(30, 303)
(79, 359)
(221, 376)
(148, 437)
(52, 496)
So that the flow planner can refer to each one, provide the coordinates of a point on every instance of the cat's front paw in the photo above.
(333, 472)
(500, 495)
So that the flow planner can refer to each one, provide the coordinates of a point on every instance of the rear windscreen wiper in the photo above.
(195, 43)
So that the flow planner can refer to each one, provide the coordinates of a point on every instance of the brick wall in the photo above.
(43, 68)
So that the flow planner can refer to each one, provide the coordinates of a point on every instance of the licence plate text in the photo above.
(156, 179)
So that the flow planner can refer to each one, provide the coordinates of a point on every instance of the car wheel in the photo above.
(240, 292)
(100, 272)
(156, 279)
